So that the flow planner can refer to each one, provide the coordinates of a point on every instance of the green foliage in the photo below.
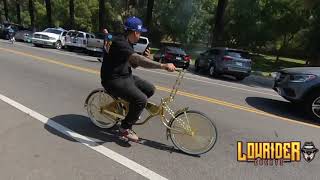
(40, 15)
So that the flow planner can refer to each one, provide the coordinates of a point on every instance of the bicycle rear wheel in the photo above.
(199, 133)
(96, 102)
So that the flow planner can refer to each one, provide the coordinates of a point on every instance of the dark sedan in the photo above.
(175, 55)
(301, 86)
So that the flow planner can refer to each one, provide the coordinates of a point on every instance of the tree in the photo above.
(31, 14)
(149, 13)
(312, 36)
(102, 12)
(172, 19)
(18, 11)
(49, 13)
(218, 29)
(5, 4)
(71, 11)
(287, 20)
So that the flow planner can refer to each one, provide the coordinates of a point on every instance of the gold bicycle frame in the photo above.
(158, 110)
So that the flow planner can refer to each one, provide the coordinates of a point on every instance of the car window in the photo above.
(80, 35)
(142, 41)
(206, 53)
(55, 31)
(64, 33)
(237, 54)
(72, 33)
(87, 36)
(175, 50)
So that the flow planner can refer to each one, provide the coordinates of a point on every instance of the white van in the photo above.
(141, 45)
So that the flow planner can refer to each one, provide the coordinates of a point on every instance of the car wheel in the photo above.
(37, 45)
(213, 71)
(58, 45)
(196, 66)
(313, 105)
(240, 78)
(186, 66)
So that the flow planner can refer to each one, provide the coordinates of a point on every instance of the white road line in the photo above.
(89, 142)
(193, 79)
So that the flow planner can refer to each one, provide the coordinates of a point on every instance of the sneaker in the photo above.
(129, 134)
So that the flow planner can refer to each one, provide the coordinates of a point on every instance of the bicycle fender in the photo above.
(92, 92)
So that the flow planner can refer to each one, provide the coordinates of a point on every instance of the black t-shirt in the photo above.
(115, 63)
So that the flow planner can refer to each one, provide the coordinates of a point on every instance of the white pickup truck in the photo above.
(50, 37)
(95, 45)
(141, 45)
(77, 39)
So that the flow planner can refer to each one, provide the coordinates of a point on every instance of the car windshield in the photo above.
(142, 41)
(55, 31)
(176, 50)
(72, 33)
(238, 54)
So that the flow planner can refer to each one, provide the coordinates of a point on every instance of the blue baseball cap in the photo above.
(134, 24)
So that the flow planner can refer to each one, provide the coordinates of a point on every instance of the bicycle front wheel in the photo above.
(193, 132)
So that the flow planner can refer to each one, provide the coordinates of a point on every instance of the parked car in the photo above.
(24, 36)
(219, 61)
(78, 39)
(175, 55)
(95, 45)
(141, 45)
(53, 37)
(300, 86)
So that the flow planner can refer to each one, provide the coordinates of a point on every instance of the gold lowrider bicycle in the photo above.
(190, 131)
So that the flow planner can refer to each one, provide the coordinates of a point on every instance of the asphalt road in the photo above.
(50, 88)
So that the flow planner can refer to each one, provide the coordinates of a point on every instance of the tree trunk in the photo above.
(102, 13)
(309, 4)
(314, 61)
(18, 11)
(149, 13)
(49, 15)
(5, 4)
(218, 29)
(284, 44)
(71, 10)
(31, 13)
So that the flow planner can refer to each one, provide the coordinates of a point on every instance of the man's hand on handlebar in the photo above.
(169, 67)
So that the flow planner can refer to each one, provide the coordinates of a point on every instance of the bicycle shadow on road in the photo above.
(282, 109)
(83, 126)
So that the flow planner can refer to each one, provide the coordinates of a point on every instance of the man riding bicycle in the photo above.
(10, 33)
(117, 78)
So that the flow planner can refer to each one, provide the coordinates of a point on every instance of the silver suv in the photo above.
(219, 61)
(302, 86)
